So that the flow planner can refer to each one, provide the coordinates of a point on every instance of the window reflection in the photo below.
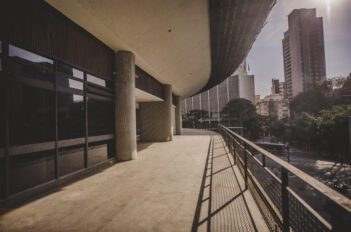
(2, 114)
(71, 123)
(21, 54)
(96, 80)
(71, 159)
(31, 170)
(70, 71)
(2, 177)
(100, 114)
(99, 152)
(70, 83)
(31, 114)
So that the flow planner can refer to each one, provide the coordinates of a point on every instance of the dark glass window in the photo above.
(2, 112)
(0, 55)
(100, 116)
(29, 57)
(99, 152)
(31, 114)
(70, 83)
(2, 176)
(26, 70)
(71, 159)
(96, 80)
(68, 70)
(30, 170)
(71, 117)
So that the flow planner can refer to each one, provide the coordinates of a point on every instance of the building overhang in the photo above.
(192, 45)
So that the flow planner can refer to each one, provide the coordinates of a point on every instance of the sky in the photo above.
(266, 56)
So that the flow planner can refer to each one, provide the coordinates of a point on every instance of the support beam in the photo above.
(156, 119)
(178, 116)
(125, 111)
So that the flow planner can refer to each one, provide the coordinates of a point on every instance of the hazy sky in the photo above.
(266, 56)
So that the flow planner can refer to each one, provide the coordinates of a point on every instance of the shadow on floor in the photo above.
(217, 206)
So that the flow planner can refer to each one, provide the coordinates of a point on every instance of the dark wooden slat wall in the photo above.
(234, 25)
(147, 83)
(36, 26)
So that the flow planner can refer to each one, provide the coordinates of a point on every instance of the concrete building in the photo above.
(303, 51)
(82, 81)
(237, 85)
(279, 87)
(273, 105)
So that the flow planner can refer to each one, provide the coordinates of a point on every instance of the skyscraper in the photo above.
(303, 50)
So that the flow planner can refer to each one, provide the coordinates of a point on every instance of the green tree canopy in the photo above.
(239, 109)
(244, 112)
(311, 101)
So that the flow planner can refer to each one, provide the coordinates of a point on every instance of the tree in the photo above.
(194, 118)
(243, 112)
(311, 101)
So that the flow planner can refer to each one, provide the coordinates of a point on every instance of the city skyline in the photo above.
(336, 33)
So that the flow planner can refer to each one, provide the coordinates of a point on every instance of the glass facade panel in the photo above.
(68, 70)
(2, 112)
(31, 58)
(2, 177)
(32, 94)
(2, 130)
(31, 114)
(22, 70)
(70, 83)
(71, 117)
(100, 116)
(30, 170)
(96, 80)
(71, 159)
(99, 152)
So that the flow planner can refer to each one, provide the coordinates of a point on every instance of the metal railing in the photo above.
(288, 198)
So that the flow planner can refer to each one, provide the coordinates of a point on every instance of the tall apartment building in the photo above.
(279, 87)
(303, 51)
(238, 85)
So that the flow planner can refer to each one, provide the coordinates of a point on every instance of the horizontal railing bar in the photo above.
(330, 193)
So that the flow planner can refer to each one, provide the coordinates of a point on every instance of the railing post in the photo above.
(263, 160)
(245, 164)
(234, 151)
(285, 199)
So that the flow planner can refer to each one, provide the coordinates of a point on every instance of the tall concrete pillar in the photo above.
(156, 119)
(125, 111)
(178, 116)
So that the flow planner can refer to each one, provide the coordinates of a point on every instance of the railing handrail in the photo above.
(330, 193)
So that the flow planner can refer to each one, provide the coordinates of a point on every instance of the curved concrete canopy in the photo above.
(170, 38)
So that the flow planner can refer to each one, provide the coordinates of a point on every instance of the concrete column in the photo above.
(125, 111)
(178, 116)
(156, 119)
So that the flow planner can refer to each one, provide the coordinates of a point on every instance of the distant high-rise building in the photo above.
(238, 85)
(275, 86)
(279, 87)
(303, 50)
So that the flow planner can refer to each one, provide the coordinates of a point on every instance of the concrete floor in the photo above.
(165, 189)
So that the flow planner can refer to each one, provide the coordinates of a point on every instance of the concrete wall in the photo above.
(156, 119)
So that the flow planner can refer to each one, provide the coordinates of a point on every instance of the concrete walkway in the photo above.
(165, 189)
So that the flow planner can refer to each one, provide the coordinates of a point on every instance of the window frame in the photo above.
(89, 90)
